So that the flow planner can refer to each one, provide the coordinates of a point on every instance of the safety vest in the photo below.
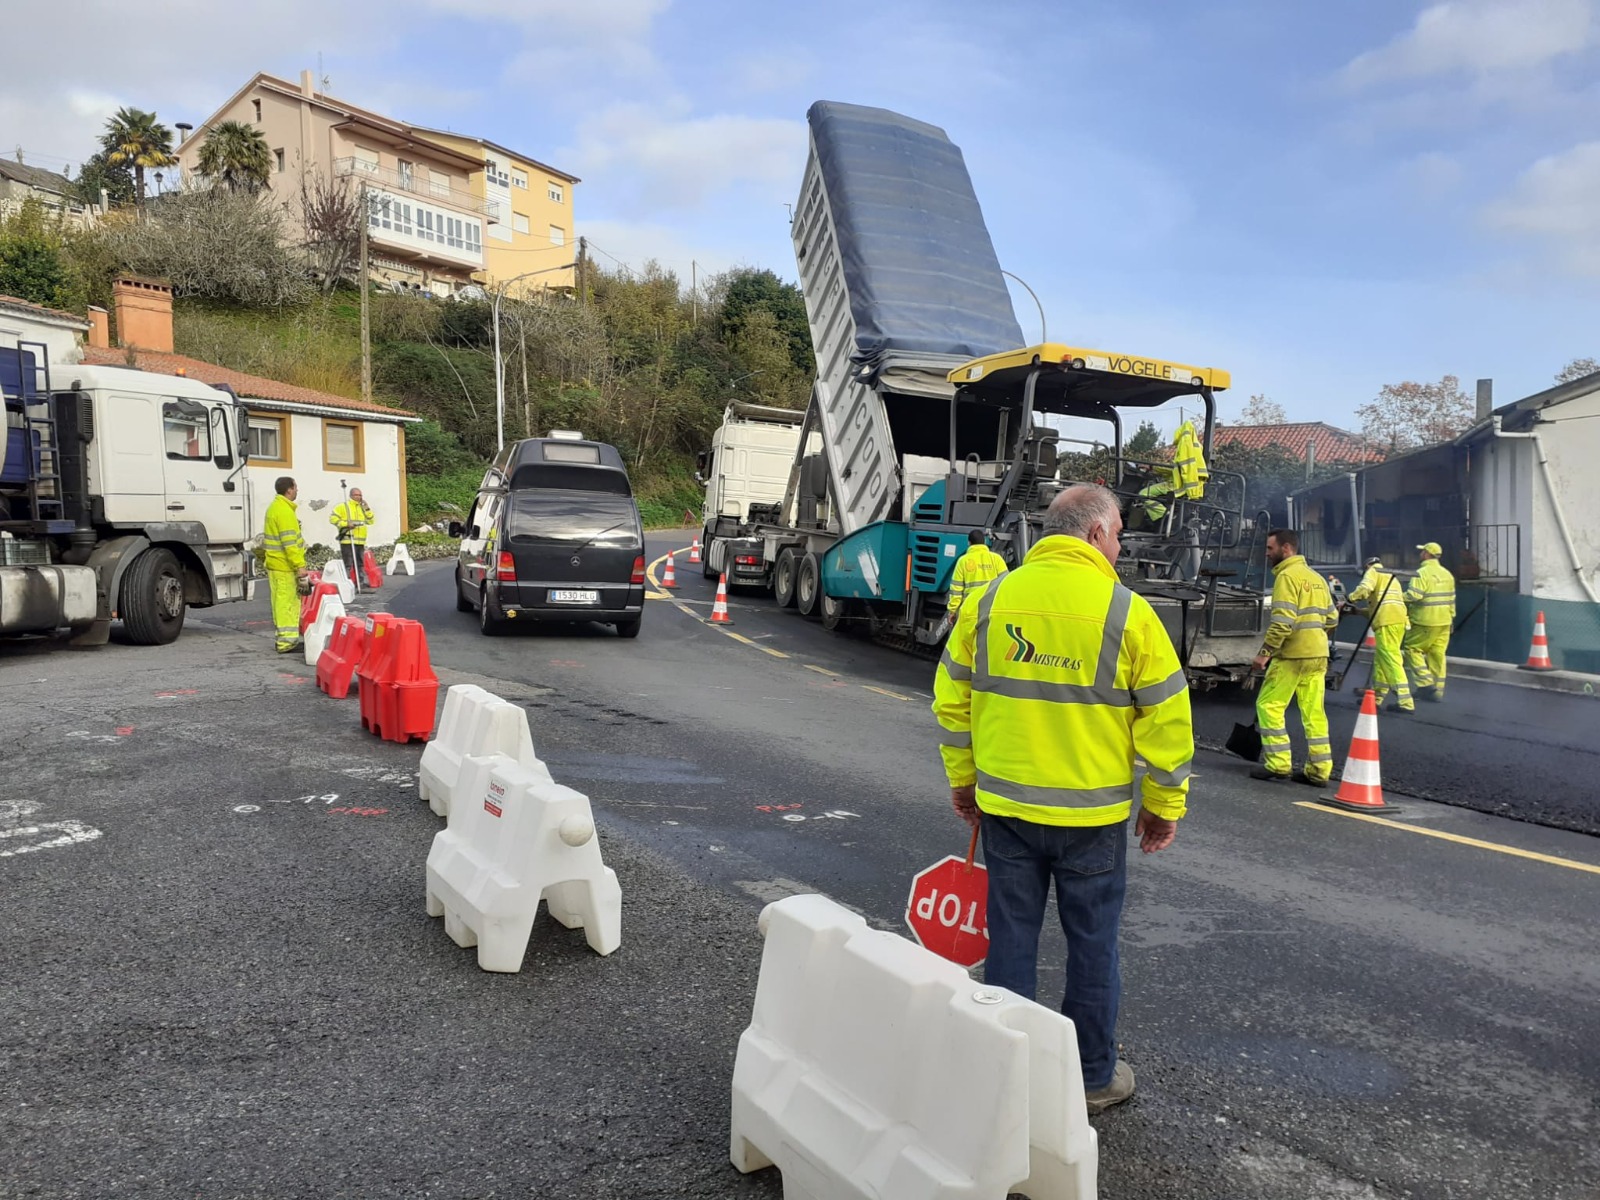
(354, 515)
(1384, 590)
(976, 567)
(1302, 612)
(1432, 595)
(1052, 681)
(1189, 464)
(286, 549)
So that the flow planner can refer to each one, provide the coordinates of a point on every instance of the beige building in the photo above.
(20, 183)
(427, 225)
(535, 237)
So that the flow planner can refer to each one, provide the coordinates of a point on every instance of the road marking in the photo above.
(818, 670)
(885, 692)
(1459, 839)
(66, 833)
(739, 637)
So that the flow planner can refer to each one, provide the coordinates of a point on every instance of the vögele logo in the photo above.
(1024, 651)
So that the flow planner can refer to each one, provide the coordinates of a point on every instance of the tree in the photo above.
(748, 289)
(136, 138)
(1404, 416)
(1258, 410)
(236, 154)
(33, 266)
(1577, 369)
(99, 174)
(1144, 442)
(330, 211)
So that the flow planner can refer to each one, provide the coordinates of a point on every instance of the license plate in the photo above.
(574, 597)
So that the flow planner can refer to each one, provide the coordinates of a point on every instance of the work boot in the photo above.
(1302, 777)
(1269, 776)
(1434, 694)
(1119, 1089)
(300, 644)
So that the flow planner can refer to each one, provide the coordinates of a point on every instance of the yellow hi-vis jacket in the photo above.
(354, 516)
(1303, 612)
(1055, 677)
(286, 549)
(1432, 595)
(973, 569)
(1379, 587)
(1189, 464)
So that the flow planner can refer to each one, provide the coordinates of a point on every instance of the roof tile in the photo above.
(1333, 445)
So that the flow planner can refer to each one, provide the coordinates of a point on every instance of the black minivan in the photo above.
(554, 535)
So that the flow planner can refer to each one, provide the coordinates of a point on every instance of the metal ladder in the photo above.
(45, 504)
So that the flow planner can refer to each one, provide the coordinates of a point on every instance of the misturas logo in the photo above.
(1024, 651)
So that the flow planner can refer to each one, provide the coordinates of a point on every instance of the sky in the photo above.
(1320, 199)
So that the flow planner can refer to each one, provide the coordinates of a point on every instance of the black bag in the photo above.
(1245, 741)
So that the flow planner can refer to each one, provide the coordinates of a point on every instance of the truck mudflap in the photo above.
(44, 599)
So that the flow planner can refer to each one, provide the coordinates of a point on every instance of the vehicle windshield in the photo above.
(554, 515)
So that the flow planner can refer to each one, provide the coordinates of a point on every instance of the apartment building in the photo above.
(533, 243)
(427, 225)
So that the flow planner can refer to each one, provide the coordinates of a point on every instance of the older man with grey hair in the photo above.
(1055, 679)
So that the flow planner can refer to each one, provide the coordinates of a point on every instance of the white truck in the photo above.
(744, 473)
(123, 493)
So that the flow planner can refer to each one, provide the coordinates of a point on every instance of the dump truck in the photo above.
(744, 472)
(123, 493)
(930, 417)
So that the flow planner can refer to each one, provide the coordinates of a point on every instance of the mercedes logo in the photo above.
(575, 560)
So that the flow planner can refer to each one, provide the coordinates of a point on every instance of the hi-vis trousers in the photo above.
(1425, 649)
(1388, 672)
(1303, 681)
(285, 608)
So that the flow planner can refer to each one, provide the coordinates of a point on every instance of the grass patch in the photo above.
(426, 493)
(315, 347)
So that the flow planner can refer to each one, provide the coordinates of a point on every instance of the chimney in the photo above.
(143, 309)
(1485, 398)
(308, 85)
(99, 328)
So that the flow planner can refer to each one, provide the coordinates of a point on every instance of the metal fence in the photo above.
(1487, 553)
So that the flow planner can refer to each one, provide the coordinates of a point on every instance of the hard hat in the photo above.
(1432, 548)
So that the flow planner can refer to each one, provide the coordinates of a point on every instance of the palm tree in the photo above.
(137, 138)
(237, 154)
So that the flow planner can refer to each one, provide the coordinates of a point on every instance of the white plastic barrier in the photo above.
(475, 722)
(400, 557)
(335, 574)
(329, 610)
(874, 1068)
(515, 838)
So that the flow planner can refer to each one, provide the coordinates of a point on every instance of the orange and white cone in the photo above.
(670, 579)
(719, 610)
(694, 552)
(1371, 642)
(1361, 785)
(1539, 652)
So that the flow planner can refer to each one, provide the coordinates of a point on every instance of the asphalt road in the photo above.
(209, 1001)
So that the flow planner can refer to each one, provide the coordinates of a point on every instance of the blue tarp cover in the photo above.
(918, 263)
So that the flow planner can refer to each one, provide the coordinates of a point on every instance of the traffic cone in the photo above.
(1361, 786)
(719, 610)
(1539, 652)
(694, 552)
(670, 579)
(1371, 642)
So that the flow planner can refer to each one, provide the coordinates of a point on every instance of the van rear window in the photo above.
(566, 452)
(596, 518)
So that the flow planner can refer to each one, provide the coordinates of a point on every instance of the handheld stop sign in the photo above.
(948, 908)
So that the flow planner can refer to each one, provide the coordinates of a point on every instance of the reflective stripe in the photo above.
(1102, 691)
(1056, 797)
(1157, 693)
(958, 741)
(1273, 732)
(952, 668)
(1435, 601)
(1168, 778)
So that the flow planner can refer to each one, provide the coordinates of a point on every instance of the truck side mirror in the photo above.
(701, 462)
(454, 529)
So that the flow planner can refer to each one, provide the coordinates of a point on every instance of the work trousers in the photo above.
(1303, 682)
(1090, 868)
(1425, 648)
(1388, 672)
(352, 553)
(285, 609)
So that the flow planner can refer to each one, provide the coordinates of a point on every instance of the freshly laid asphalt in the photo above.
(232, 988)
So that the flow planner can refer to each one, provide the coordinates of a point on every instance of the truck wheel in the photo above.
(783, 574)
(705, 556)
(808, 586)
(152, 604)
(832, 611)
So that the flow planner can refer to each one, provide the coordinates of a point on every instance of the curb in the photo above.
(1573, 683)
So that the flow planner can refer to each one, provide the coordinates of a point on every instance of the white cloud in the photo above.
(1478, 37)
(776, 72)
(1555, 200)
(1432, 175)
(552, 20)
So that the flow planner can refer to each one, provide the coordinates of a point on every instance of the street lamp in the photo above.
(499, 365)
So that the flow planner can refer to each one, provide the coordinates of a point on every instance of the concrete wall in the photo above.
(1502, 474)
(1571, 441)
(381, 478)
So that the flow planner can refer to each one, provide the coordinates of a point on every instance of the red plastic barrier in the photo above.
(369, 568)
(337, 666)
(399, 691)
(310, 605)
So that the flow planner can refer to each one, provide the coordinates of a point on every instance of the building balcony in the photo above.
(417, 184)
(423, 229)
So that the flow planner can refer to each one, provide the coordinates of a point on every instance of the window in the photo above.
(407, 172)
(257, 105)
(519, 179)
(277, 158)
(186, 429)
(558, 236)
(553, 190)
(341, 446)
(269, 440)
(519, 222)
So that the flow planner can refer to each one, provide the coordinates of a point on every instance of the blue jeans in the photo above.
(1090, 869)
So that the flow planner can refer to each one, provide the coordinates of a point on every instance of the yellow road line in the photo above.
(1515, 851)
(885, 692)
(818, 670)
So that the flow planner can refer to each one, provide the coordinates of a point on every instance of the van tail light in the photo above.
(638, 570)
(506, 571)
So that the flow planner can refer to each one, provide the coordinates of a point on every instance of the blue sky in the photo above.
(1320, 198)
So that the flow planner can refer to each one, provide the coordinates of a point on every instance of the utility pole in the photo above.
(366, 305)
(583, 260)
(694, 292)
